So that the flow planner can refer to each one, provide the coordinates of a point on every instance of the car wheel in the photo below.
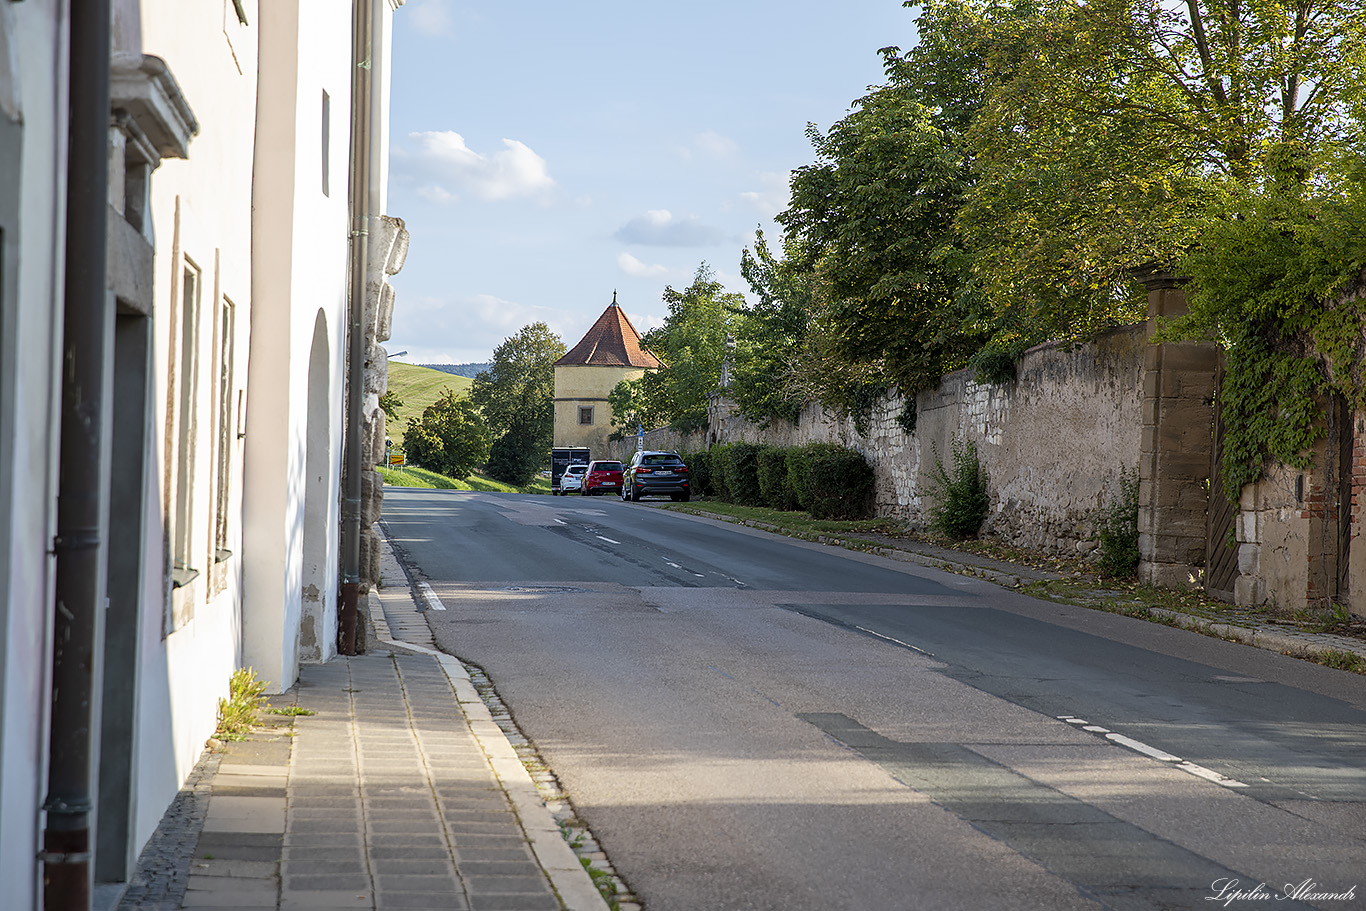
(685, 495)
(635, 494)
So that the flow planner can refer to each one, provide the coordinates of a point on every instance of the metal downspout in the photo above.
(78, 547)
(361, 105)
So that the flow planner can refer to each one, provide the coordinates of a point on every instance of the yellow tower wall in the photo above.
(587, 386)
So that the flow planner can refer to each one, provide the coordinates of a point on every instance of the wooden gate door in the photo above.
(1221, 550)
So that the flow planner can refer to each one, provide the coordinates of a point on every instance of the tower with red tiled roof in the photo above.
(609, 353)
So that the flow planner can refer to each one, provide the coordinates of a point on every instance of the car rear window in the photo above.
(661, 459)
(576, 469)
(607, 466)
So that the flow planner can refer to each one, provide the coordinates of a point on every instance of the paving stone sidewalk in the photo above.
(382, 799)
(400, 791)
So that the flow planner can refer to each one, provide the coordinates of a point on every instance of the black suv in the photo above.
(656, 473)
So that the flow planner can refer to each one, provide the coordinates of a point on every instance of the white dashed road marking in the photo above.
(1152, 752)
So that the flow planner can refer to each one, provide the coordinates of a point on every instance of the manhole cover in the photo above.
(543, 589)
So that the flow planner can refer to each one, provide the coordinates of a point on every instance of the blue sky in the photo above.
(546, 154)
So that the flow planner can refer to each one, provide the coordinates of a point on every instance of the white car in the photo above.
(572, 479)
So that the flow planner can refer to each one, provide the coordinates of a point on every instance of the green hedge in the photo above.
(828, 481)
(831, 482)
(699, 471)
(775, 484)
(741, 472)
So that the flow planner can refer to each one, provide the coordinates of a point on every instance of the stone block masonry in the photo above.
(1054, 441)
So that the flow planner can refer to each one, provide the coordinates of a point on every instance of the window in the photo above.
(226, 325)
(187, 362)
(585, 414)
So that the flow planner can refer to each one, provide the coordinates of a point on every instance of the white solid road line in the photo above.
(913, 648)
(430, 596)
(608, 540)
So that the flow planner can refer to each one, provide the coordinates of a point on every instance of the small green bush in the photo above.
(831, 482)
(237, 713)
(775, 485)
(1118, 530)
(742, 474)
(961, 500)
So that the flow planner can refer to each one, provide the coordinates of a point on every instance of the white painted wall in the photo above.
(300, 245)
(248, 208)
(33, 36)
(201, 213)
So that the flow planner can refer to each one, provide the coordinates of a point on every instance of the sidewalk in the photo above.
(399, 792)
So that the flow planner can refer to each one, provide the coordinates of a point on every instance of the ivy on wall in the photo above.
(1277, 282)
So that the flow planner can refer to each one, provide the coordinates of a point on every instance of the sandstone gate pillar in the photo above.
(1174, 462)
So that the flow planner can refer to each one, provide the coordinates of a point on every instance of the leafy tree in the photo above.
(450, 437)
(516, 396)
(390, 403)
(633, 408)
(873, 219)
(1118, 136)
(692, 347)
(515, 459)
(786, 352)
(1222, 137)
(766, 379)
(1025, 156)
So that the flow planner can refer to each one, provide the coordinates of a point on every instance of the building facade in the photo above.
(215, 429)
(609, 353)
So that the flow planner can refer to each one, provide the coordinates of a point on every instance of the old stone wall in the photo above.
(388, 250)
(1300, 532)
(1054, 442)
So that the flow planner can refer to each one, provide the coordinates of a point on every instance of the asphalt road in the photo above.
(751, 722)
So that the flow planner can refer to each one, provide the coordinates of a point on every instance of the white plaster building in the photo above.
(218, 434)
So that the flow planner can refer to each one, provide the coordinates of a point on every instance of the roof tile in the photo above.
(612, 342)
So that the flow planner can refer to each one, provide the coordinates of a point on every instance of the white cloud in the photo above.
(461, 330)
(437, 194)
(637, 269)
(709, 144)
(714, 145)
(660, 228)
(773, 195)
(443, 156)
(430, 17)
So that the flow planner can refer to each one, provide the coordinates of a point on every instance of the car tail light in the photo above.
(644, 471)
(682, 469)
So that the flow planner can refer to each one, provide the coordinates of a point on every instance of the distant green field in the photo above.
(418, 387)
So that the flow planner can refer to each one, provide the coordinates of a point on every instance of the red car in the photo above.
(602, 476)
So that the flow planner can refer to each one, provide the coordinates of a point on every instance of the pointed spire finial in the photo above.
(614, 297)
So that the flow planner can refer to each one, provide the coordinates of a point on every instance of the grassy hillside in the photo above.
(418, 387)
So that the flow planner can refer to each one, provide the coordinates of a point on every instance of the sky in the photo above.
(545, 155)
